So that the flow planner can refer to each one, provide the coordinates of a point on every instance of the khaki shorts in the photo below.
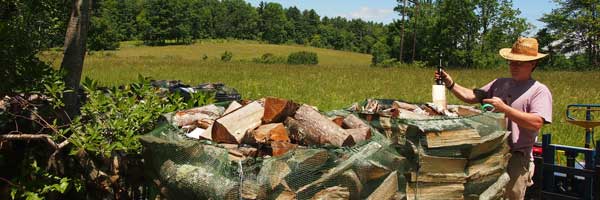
(520, 169)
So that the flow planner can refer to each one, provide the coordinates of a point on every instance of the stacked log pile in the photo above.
(460, 153)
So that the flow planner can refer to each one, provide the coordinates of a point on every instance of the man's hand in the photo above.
(497, 103)
(446, 77)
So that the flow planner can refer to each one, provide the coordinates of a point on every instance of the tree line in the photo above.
(469, 33)
(160, 22)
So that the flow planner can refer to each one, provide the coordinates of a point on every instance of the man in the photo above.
(526, 103)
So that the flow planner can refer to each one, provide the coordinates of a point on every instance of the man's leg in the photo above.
(520, 169)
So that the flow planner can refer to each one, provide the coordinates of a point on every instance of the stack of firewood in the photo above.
(458, 153)
(303, 154)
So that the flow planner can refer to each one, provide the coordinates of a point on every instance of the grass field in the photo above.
(339, 79)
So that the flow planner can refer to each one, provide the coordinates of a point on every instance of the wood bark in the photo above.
(199, 117)
(233, 127)
(360, 134)
(277, 110)
(352, 121)
(74, 53)
(315, 128)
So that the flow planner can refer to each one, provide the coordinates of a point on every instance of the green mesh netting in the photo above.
(396, 154)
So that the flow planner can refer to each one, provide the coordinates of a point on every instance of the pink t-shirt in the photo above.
(528, 96)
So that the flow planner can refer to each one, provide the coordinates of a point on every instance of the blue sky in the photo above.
(382, 10)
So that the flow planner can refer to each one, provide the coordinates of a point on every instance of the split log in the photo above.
(252, 191)
(434, 191)
(407, 114)
(492, 164)
(205, 114)
(360, 134)
(464, 111)
(233, 127)
(272, 173)
(242, 152)
(277, 110)
(234, 105)
(369, 170)
(474, 188)
(452, 138)
(207, 134)
(271, 132)
(429, 177)
(387, 189)
(436, 164)
(303, 162)
(352, 121)
(365, 152)
(350, 180)
(281, 147)
(403, 105)
(317, 129)
(496, 190)
(489, 143)
(332, 193)
(286, 195)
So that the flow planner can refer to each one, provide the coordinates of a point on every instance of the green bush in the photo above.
(111, 120)
(303, 58)
(269, 58)
(226, 56)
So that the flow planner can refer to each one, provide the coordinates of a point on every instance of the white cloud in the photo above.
(371, 14)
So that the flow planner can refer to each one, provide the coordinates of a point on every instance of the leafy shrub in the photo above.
(303, 58)
(112, 120)
(204, 57)
(269, 58)
(226, 56)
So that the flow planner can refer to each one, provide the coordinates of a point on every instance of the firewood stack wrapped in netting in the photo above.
(276, 149)
(458, 153)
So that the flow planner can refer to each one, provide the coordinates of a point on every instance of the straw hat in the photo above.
(524, 49)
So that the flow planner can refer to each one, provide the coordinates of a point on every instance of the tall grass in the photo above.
(339, 79)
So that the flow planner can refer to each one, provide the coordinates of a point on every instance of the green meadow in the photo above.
(339, 79)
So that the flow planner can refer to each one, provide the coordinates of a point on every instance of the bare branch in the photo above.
(45, 137)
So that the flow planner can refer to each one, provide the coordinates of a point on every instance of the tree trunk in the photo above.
(412, 59)
(74, 52)
(402, 34)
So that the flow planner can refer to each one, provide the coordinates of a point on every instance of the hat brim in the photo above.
(506, 54)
